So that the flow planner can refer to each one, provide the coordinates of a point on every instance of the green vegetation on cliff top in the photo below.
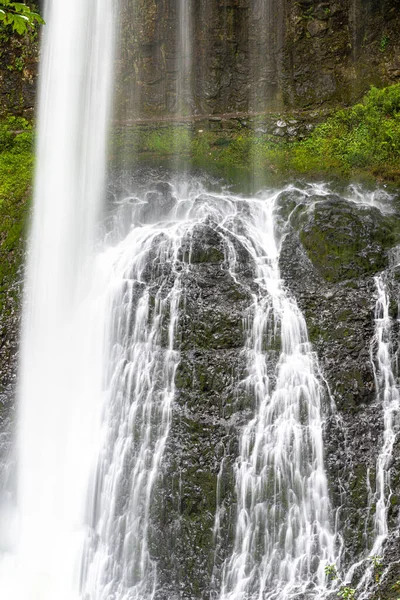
(20, 17)
(364, 139)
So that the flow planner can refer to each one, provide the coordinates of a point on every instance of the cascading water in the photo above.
(283, 539)
(388, 393)
(140, 384)
(61, 357)
(185, 57)
(388, 398)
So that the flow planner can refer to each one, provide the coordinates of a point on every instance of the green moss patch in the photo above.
(16, 172)
(345, 241)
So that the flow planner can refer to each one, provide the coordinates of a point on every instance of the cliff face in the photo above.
(19, 58)
(235, 55)
(254, 54)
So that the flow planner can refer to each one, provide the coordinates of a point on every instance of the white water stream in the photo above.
(283, 538)
(60, 389)
(388, 394)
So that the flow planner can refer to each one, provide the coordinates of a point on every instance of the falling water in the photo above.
(389, 397)
(100, 353)
(283, 539)
(143, 308)
(184, 57)
(60, 374)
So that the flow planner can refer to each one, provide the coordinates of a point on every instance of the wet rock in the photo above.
(328, 260)
(210, 408)
(345, 240)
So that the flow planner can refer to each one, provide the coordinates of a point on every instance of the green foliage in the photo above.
(16, 157)
(384, 43)
(377, 566)
(167, 141)
(20, 17)
(331, 572)
(347, 593)
(16, 171)
(396, 588)
(363, 139)
(366, 136)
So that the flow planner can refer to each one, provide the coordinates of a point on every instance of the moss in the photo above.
(16, 171)
(358, 530)
(364, 137)
(345, 241)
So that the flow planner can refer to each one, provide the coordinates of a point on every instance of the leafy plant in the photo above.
(384, 43)
(347, 593)
(331, 572)
(18, 16)
(377, 566)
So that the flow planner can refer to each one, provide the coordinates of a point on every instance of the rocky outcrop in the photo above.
(331, 251)
(241, 56)
(209, 409)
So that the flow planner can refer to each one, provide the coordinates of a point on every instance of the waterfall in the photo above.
(388, 395)
(389, 398)
(61, 356)
(140, 390)
(105, 299)
(184, 57)
(283, 539)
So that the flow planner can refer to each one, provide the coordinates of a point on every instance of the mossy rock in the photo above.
(345, 240)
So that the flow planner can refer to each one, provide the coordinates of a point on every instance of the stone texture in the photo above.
(255, 55)
(247, 55)
(19, 58)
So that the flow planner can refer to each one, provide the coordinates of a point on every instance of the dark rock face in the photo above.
(19, 57)
(254, 55)
(337, 294)
(247, 55)
(346, 241)
(209, 408)
(332, 249)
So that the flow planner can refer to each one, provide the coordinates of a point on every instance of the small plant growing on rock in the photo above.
(396, 588)
(384, 43)
(377, 565)
(348, 593)
(331, 572)
(345, 592)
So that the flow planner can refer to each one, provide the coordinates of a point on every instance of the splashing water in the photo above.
(137, 418)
